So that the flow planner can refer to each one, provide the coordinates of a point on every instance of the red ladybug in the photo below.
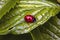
(29, 18)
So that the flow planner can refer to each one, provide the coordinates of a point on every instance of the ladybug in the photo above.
(29, 18)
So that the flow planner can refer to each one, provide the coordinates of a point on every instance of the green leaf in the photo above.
(40, 34)
(5, 6)
(14, 20)
(43, 13)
